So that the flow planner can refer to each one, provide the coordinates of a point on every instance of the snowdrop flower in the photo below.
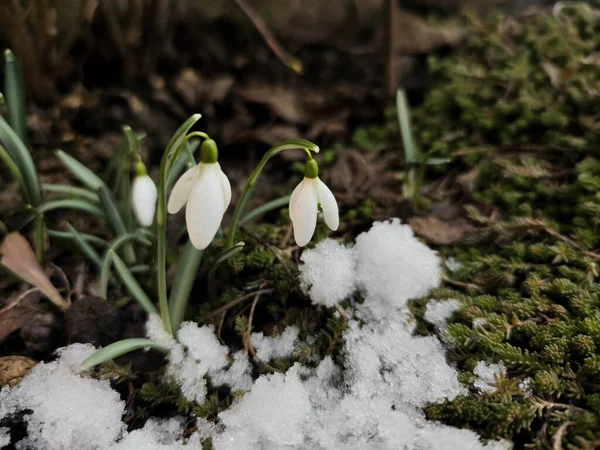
(143, 196)
(207, 192)
(310, 195)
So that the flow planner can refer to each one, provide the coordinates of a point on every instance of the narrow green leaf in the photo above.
(131, 140)
(224, 256)
(22, 158)
(14, 91)
(90, 238)
(167, 161)
(117, 349)
(187, 270)
(106, 262)
(410, 149)
(263, 209)
(132, 284)
(79, 171)
(71, 203)
(115, 220)
(13, 169)
(84, 246)
(72, 192)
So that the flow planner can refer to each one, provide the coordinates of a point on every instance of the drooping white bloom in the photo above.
(304, 207)
(143, 199)
(207, 192)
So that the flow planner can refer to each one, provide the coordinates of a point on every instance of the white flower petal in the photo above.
(205, 208)
(226, 186)
(143, 199)
(294, 196)
(303, 212)
(181, 190)
(328, 204)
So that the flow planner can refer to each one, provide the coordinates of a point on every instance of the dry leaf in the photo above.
(18, 257)
(18, 311)
(441, 232)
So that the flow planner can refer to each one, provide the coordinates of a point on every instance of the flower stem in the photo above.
(307, 146)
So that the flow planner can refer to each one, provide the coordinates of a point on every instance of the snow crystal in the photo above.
(159, 435)
(271, 415)
(393, 266)
(438, 312)
(486, 375)
(68, 411)
(273, 347)
(4, 437)
(238, 376)
(453, 265)
(328, 273)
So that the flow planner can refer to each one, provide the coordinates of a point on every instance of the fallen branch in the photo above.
(289, 60)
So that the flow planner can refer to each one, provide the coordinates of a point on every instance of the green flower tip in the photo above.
(140, 169)
(9, 56)
(209, 154)
(312, 169)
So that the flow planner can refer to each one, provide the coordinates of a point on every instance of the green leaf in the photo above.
(119, 348)
(187, 270)
(183, 161)
(71, 203)
(84, 246)
(265, 208)
(132, 284)
(72, 192)
(14, 92)
(410, 149)
(13, 169)
(106, 262)
(166, 164)
(22, 158)
(115, 219)
(86, 237)
(224, 256)
(79, 171)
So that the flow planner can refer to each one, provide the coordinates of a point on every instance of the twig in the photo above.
(237, 301)
(545, 227)
(248, 343)
(290, 61)
(391, 82)
(341, 313)
(557, 439)
(460, 284)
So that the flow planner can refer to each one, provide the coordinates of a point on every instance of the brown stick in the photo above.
(391, 83)
(237, 301)
(248, 343)
(289, 60)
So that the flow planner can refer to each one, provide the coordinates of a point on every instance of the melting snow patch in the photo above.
(370, 400)
(486, 375)
(328, 273)
(273, 347)
(438, 312)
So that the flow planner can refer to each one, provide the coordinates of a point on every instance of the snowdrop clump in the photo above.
(372, 400)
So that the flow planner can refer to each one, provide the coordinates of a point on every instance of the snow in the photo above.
(273, 347)
(393, 266)
(437, 313)
(328, 272)
(486, 375)
(68, 411)
(370, 398)
(4, 436)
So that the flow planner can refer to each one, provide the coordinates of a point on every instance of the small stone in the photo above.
(13, 369)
